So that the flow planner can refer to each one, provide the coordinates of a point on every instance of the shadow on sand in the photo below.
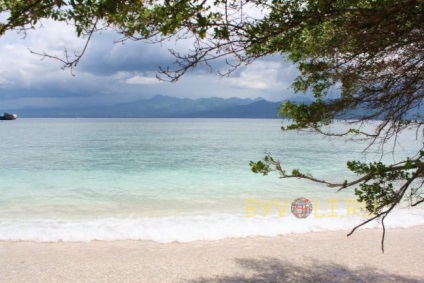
(274, 270)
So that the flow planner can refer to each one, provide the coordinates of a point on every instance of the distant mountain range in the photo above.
(162, 106)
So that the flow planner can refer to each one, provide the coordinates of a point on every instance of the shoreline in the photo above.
(308, 257)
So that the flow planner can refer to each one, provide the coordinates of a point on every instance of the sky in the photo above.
(112, 72)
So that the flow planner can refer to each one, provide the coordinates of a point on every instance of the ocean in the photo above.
(174, 180)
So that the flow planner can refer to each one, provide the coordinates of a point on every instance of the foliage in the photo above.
(370, 52)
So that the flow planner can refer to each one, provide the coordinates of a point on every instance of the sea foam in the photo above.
(189, 228)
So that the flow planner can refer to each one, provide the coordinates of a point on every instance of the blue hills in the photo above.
(162, 106)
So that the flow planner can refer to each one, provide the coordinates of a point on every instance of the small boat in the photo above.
(8, 116)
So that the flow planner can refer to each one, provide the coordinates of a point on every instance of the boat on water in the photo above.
(8, 116)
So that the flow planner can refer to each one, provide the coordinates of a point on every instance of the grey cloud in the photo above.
(105, 57)
(111, 72)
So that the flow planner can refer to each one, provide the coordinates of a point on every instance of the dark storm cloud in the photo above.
(111, 72)
(106, 57)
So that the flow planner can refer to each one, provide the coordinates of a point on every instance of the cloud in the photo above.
(112, 72)
(4, 82)
(141, 80)
(263, 75)
(105, 56)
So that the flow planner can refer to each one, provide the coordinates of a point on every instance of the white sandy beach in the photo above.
(311, 257)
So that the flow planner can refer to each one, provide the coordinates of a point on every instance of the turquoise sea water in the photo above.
(168, 179)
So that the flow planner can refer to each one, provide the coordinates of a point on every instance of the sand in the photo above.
(312, 257)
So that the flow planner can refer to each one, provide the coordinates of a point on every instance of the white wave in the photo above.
(189, 228)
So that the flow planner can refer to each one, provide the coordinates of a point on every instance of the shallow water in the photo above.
(169, 179)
